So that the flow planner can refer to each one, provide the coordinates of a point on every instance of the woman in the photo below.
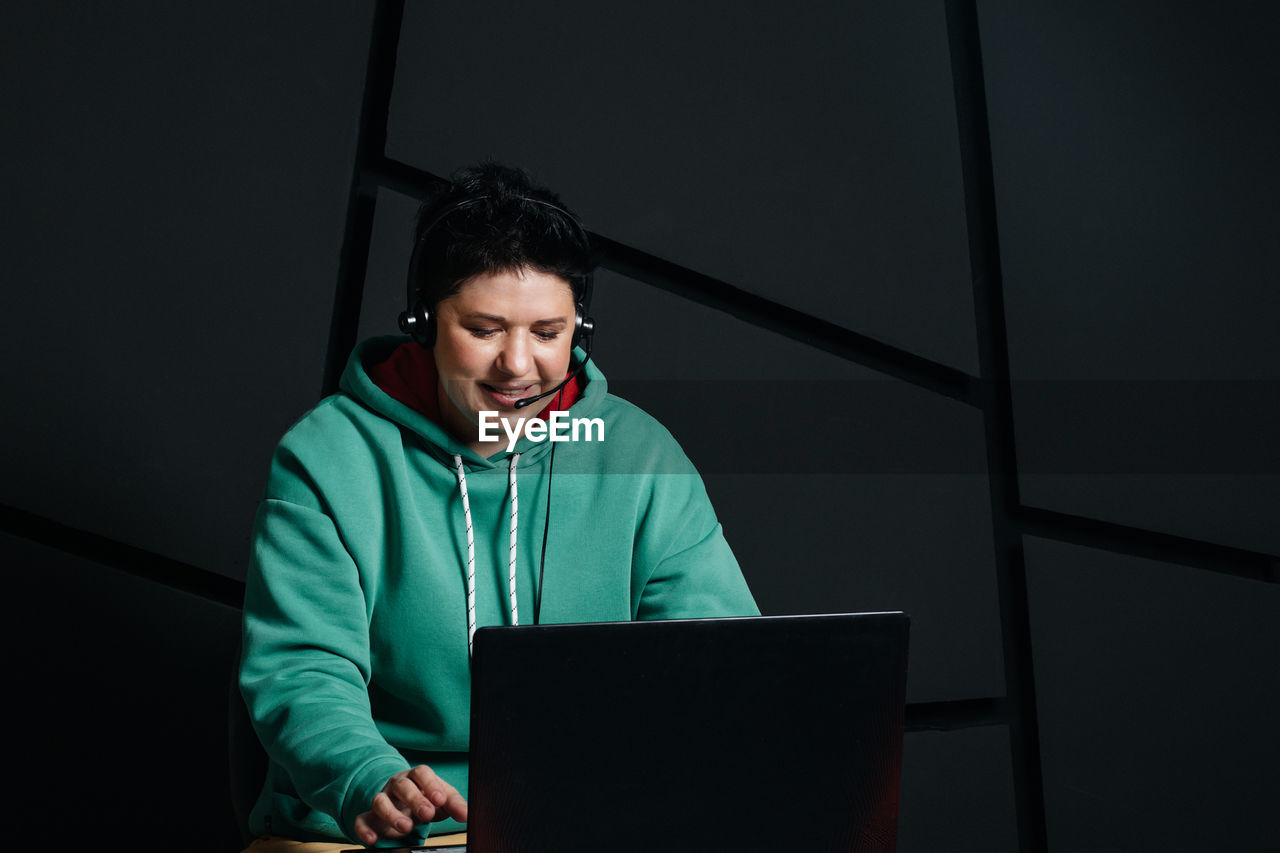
(417, 504)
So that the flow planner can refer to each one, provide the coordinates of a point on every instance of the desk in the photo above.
(271, 844)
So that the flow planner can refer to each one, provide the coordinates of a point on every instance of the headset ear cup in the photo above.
(418, 323)
(583, 328)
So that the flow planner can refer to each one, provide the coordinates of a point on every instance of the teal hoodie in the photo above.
(355, 663)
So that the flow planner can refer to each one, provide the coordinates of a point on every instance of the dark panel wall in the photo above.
(1159, 692)
(118, 698)
(175, 180)
(956, 792)
(178, 184)
(740, 141)
(1137, 194)
(175, 190)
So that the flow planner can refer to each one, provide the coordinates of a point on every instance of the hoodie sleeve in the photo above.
(306, 662)
(684, 568)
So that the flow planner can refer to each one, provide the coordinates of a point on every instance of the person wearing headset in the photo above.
(424, 499)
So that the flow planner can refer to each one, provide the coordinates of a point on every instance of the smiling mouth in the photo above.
(506, 393)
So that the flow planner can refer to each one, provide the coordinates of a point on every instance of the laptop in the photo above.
(741, 734)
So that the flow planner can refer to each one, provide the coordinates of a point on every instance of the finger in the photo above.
(446, 799)
(364, 833)
(455, 806)
(413, 792)
(434, 792)
(391, 820)
(370, 828)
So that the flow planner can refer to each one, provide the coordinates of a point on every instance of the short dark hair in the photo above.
(491, 219)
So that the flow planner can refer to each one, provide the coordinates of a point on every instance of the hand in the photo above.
(409, 798)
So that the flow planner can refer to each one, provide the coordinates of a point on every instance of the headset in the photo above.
(419, 322)
(418, 319)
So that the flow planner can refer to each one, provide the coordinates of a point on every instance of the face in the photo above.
(501, 337)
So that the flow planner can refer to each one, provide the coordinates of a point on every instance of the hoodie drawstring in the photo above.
(511, 567)
(471, 546)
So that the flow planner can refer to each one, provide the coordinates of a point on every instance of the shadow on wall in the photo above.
(123, 714)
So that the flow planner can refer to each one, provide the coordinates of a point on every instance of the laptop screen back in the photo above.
(742, 734)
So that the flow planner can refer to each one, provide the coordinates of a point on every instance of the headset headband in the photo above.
(418, 319)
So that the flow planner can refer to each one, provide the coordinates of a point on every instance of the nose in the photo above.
(515, 358)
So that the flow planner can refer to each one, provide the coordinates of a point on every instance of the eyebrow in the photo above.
(494, 318)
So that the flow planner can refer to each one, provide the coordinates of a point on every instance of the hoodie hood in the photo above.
(396, 378)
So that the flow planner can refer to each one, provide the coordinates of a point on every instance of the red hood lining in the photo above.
(409, 376)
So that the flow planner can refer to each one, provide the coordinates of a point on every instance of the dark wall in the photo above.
(176, 180)
(974, 318)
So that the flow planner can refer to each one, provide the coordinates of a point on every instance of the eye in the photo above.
(546, 334)
(482, 332)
